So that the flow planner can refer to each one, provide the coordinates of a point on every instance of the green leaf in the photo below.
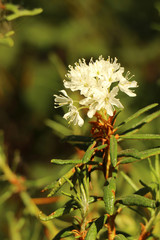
(134, 127)
(113, 150)
(95, 227)
(60, 129)
(148, 153)
(128, 160)
(141, 155)
(59, 183)
(141, 136)
(86, 158)
(109, 195)
(66, 232)
(20, 12)
(120, 237)
(129, 180)
(136, 200)
(69, 207)
(62, 162)
(138, 113)
(91, 150)
(129, 153)
(92, 233)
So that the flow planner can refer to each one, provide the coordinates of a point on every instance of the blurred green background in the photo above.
(44, 45)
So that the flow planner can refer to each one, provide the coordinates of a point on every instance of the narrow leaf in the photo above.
(88, 154)
(140, 123)
(129, 153)
(128, 160)
(138, 113)
(66, 232)
(136, 200)
(69, 207)
(59, 183)
(113, 150)
(62, 162)
(129, 180)
(91, 150)
(141, 136)
(141, 155)
(95, 227)
(109, 195)
(148, 153)
(92, 233)
(60, 129)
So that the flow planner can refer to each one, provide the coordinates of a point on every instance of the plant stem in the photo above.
(111, 227)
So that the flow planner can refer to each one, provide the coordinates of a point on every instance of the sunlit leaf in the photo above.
(129, 153)
(141, 136)
(69, 207)
(140, 155)
(92, 232)
(91, 150)
(95, 227)
(109, 195)
(113, 150)
(134, 127)
(55, 186)
(62, 162)
(138, 113)
(136, 200)
(17, 12)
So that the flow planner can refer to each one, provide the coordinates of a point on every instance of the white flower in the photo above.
(73, 116)
(105, 71)
(62, 100)
(124, 85)
(78, 77)
(98, 83)
(103, 100)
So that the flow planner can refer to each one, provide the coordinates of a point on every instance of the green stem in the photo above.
(84, 186)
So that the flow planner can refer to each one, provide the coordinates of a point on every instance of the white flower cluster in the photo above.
(98, 83)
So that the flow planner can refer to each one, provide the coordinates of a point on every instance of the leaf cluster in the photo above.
(83, 168)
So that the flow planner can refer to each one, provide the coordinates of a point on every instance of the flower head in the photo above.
(98, 83)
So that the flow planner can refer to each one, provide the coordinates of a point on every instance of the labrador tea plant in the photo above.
(98, 84)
